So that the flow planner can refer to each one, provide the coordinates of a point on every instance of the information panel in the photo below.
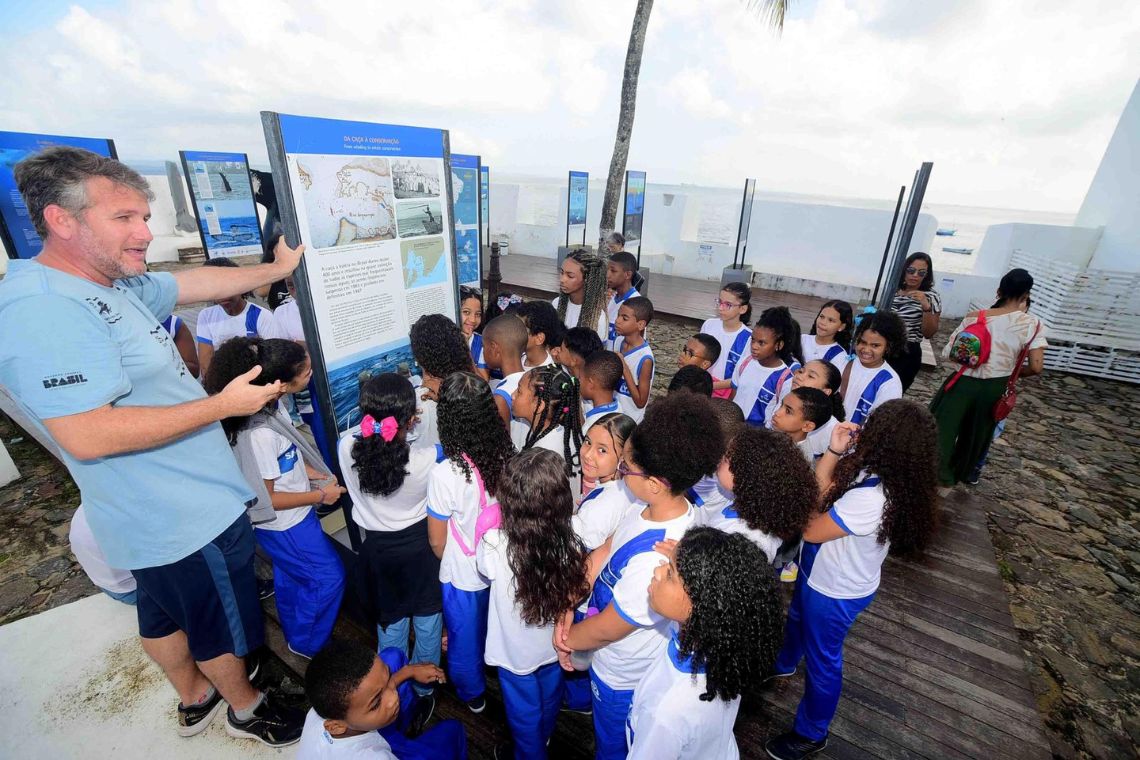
(634, 208)
(465, 203)
(577, 199)
(222, 194)
(370, 203)
(485, 204)
(16, 229)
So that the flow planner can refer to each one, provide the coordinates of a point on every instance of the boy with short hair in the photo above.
(362, 706)
(229, 318)
(633, 317)
(601, 376)
(693, 379)
(544, 330)
(702, 350)
(619, 279)
(504, 340)
(578, 344)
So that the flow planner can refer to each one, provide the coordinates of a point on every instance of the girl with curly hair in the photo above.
(870, 380)
(537, 568)
(460, 502)
(397, 575)
(878, 496)
(289, 474)
(582, 292)
(439, 348)
(773, 488)
(830, 335)
(665, 456)
(548, 399)
(726, 617)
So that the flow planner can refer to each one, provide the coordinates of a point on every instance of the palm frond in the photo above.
(772, 11)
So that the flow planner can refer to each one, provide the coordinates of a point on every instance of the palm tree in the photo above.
(771, 10)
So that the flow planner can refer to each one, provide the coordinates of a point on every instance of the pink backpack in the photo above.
(971, 348)
(489, 515)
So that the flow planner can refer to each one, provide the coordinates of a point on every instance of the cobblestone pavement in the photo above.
(1063, 485)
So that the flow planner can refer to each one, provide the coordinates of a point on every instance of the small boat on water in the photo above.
(957, 250)
(945, 232)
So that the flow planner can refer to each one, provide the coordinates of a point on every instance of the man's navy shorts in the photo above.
(211, 595)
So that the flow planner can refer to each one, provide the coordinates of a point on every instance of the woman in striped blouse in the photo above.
(919, 306)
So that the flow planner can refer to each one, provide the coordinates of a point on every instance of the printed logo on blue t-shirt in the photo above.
(288, 460)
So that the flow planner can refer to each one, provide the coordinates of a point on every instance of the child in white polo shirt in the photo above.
(665, 456)
(845, 546)
(536, 566)
(722, 599)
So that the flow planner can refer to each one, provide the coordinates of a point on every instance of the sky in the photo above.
(1013, 101)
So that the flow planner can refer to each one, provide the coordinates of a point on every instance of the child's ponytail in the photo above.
(380, 453)
(559, 403)
(781, 322)
(834, 383)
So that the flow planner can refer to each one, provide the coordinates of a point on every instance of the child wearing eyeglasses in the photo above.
(730, 329)
(665, 455)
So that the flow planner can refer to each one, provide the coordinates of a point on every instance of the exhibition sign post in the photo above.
(577, 200)
(16, 229)
(222, 195)
(484, 205)
(465, 206)
(634, 210)
(371, 204)
(739, 271)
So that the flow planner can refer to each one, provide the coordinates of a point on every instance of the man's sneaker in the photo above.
(477, 705)
(265, 588)
(973, 478)
(299, 654)
(421, 714)
(792, 746)
(789, 573)
(587, 710)
(272, 723)
(196, 718)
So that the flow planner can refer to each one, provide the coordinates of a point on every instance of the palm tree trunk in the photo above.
(625, 120)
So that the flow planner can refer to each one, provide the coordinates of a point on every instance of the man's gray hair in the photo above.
(58, 175)
(616, 238)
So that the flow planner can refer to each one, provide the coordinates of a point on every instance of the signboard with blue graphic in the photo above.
(465, 191)
(485, 204)
(16, 229)
(372, 204)
(577, 200)
(634, 208)
(222, 195)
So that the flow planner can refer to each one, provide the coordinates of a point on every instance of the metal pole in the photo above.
(887, 247)
(494, 277)
(914, 206)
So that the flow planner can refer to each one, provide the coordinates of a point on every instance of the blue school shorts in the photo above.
(210, 595)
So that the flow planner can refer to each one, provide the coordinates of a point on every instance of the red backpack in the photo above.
(971, 348)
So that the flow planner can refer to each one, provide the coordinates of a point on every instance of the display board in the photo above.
(485, 204)
(370, 203)
(222, 195)
(577, 200)
(745, 221)
(465, 198)
(16, 229)
(634, 208)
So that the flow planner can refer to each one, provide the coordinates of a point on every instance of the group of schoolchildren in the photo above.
(527, 507)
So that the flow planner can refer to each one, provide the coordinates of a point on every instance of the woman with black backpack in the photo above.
(990, 346)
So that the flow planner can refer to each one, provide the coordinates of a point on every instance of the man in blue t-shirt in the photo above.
(84, 354)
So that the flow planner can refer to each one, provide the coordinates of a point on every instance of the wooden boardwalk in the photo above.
(933, 668)
(675, 296)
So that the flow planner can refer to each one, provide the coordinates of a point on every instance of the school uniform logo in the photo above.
(59, 381)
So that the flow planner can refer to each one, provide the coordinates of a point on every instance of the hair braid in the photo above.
(593, 286)
(558, 403)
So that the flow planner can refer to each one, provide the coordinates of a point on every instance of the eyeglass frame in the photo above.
(727, 304)
(624, 471)
(913, 270)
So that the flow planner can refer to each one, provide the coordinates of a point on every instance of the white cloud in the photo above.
(1013, 101)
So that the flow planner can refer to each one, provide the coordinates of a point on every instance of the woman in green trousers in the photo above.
(965, 412)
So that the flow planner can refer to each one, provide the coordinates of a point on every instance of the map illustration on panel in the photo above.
(347, 200)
